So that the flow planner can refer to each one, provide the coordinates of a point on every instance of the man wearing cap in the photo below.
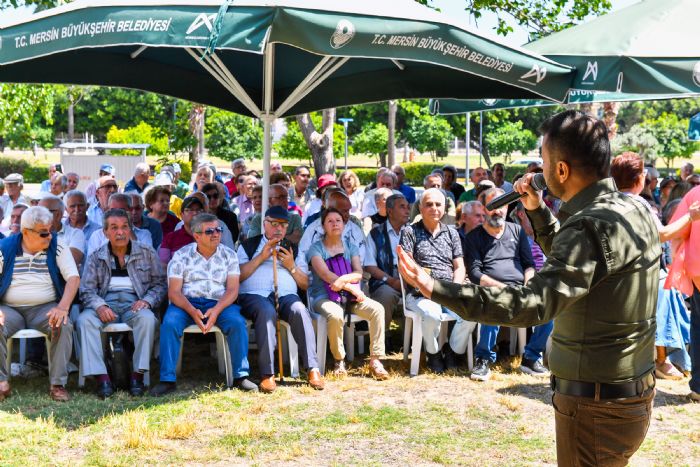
(313, 209)
(106, 187)
(13, 194)
(139, 182)
(91, 190)
(238, 167)
(172, 242)
(477, 175)
(279, 197)
(257, 297)
(202, 288)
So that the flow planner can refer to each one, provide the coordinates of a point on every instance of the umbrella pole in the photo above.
(267, 120)
(277, 311)
(468, 137)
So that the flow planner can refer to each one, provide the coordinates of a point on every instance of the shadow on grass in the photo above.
(539, 392)
(664, 398)
(30, 396)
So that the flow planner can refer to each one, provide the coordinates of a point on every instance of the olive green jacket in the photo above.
(599, 284)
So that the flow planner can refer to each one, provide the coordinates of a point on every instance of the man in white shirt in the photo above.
(119, 201)
(38, 282)
(257, 297)
(14, 183)
(202, 289)
(72, 238)
(106, 187)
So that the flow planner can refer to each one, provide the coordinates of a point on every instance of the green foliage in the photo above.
(143, 133)
(373, 139)
(671, 132)
(639, 139)
(20, 137)
(185, 166)
(428, 134)
(366, 175)
(21, 104)
(32, 173)
(509, 137)
(293, 145)
(416, 171)
(229, 135)
(36, 173)
(633, 113)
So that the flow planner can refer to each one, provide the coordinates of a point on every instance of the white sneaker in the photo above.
(481, 370)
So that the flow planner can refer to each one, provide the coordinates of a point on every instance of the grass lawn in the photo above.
(403, 421)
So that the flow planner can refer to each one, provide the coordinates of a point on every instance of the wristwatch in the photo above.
(293, 270)
(385, 278)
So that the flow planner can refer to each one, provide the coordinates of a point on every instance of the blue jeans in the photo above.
(231, 323)
(538, 341)
(695, 340)
(487, 341)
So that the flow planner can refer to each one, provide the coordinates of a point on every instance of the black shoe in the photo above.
(245, 385)
(452, 359)
(435, 362)
(104, 389)
(481, 371)
(163, 388)
(136, 387)
(533, 368)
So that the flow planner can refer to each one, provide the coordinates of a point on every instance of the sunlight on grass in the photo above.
(137, 433)
(179, 429)
(510, 403)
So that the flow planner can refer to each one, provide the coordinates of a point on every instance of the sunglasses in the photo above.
(41, 233)
(210, 231)
(276, 224)
(213, 195)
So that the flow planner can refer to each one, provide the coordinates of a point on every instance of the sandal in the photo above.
(667, 371)
(377, 370)
(339, 368)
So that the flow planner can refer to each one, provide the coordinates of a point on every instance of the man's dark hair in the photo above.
(580, 140)
(300, 168)
(391, 200)
(119, 213)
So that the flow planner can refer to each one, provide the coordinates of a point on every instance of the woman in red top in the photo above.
(158, 206)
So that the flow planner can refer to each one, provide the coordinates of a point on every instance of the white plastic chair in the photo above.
(222, 351)
(413, 335)
(113, 327)
(290, 349)
(25, 334)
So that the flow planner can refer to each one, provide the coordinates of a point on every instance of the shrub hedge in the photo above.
(32, 173)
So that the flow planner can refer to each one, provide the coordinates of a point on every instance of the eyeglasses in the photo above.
(109, 187)
(194, 211)
(279, 197)
(41, 233)
(213, 195)
(276, 224)
(211, 230)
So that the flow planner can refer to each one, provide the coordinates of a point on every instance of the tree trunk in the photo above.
(391, 124)
(320, 143)
(610, 110)
(196, 124)
(71, 121)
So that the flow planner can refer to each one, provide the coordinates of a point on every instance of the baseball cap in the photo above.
(177, 168)
(326, 180)
(277, 212)
(163, 179)
(190, 200)
(14, 178)
(109, 168)
(104, 180)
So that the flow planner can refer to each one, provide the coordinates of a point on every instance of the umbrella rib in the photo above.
(138, 51)
(319, 68)
(301, 93)
(244, 97)
(399, 65)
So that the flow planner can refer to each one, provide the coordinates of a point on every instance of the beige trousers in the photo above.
(368, 309)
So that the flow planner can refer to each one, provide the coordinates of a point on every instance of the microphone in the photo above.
(537, 183)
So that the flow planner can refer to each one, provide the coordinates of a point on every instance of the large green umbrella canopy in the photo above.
(652, 47)
(272, 58)
(575, 96)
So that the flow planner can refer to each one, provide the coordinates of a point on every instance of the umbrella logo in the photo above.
(696, 73)
(591, 70)
(537, 72)
(202, 19)
(343, 34)
(489, 102)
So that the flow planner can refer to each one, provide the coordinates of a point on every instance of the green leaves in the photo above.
(230, 136)
(143, 133)
(21, 104)
(373, 139)
(509, 137)
(671, 132)
(428, 134)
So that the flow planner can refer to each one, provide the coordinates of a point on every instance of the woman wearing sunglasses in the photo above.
(215, 193)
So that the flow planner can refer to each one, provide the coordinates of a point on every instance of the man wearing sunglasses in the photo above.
(106, 187)
(38, 282)
(257, 298)
(279, 197)
(202, 289)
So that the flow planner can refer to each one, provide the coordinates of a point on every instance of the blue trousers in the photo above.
(231, 323)
(261, 311)
(533, 350)
(695, 340)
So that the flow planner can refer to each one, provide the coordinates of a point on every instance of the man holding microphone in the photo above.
(599, 284)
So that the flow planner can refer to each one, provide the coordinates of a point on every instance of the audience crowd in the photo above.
(161, 255)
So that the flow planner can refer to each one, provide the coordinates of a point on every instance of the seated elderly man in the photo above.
(191, 207)
(379, 217)
(119, 201)
(257, 297)
(202, 289)
(16, 218)
(59, 184)
(123, 282)
(434, 180)
(72, 238)
(76, 208)
(437, 248)
(279, 196)
(141, 221)
(381, 260)
(471, 217)
(38, 282)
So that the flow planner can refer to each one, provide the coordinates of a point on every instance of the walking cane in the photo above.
(277, 310)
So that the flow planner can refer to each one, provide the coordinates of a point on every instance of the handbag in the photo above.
(339, 265)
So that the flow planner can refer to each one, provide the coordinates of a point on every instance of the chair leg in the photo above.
(407, 329)
(178, 370)
(349, 341)
(8, 360)
(48, 351)
(416, 345)
(470, 351)
(321, 342)
(361, 343)
(220, 353)
(522, 339)
(292, 351)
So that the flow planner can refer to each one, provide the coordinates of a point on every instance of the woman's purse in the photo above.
(339, 265)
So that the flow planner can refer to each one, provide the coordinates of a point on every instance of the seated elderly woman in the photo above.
(38, 282)
(123, 282)
(158, 207)
(331, 288)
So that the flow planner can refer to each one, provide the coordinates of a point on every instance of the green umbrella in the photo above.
(272, 58)
(651, 47)
(575, 96)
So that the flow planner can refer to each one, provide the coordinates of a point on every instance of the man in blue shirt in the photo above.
(408, 192)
